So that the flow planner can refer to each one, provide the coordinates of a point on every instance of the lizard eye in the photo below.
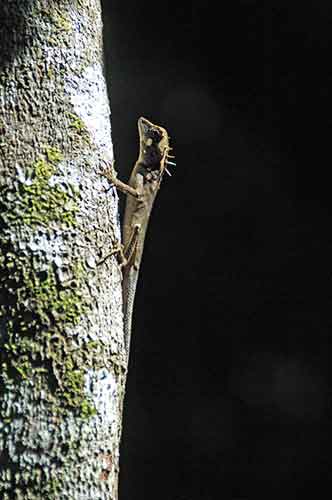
(149, 141)
(155, 136)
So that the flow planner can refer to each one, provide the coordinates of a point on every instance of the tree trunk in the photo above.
(62, 357)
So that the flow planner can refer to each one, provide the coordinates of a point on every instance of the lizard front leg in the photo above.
(108, 172)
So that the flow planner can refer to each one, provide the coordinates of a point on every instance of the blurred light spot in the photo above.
(297, 391)
(288, 385)
(252, 379)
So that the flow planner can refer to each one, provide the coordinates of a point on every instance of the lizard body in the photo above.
(141, 192)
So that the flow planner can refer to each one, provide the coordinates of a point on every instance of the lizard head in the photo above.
(154, 146)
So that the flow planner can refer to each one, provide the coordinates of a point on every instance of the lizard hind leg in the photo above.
(130, 249)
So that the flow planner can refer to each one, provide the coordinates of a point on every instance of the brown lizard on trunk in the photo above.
(141, 192)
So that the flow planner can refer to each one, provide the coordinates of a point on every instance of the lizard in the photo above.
(141, 191)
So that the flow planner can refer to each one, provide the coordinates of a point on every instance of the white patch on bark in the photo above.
(103, 387)
(94, 112)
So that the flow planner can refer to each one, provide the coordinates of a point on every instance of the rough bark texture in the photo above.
(61, 334)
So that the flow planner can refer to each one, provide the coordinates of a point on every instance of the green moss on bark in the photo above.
(36, 306)
(78, 130)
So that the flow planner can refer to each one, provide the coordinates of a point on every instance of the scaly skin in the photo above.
(141, 192)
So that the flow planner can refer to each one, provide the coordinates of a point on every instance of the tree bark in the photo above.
(62, 357)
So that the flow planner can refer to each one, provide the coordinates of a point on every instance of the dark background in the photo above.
(228, 394)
